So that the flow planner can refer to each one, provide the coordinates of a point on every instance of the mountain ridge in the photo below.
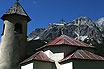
(82, 28)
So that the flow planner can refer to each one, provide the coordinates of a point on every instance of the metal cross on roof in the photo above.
(62, 30)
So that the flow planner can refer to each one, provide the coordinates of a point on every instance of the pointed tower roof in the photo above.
(16, 9)
(65, 40)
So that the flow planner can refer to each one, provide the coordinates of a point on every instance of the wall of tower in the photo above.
(12, 50)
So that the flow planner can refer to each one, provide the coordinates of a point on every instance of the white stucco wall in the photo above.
(48, 53)
(67, 66)
(54, 56)
(28, 66)
(13, 45)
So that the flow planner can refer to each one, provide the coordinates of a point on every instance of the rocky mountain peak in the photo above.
(84, 18)
(82, 28)
(102, 18)
(100, 22)
(81, 20)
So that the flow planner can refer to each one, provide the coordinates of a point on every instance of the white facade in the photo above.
(67, 66)
(54, 56)
(28, 66)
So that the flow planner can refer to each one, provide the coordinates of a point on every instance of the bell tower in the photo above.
(13, 39)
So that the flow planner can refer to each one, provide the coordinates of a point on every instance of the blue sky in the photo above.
(43, 12)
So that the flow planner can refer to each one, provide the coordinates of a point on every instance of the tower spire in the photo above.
(16, 9)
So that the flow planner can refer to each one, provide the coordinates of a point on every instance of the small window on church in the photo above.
(3, 30)
(18, 28)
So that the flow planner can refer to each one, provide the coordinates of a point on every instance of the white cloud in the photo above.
(34, 2)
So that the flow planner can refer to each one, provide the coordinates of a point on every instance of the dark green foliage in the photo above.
(33, 45)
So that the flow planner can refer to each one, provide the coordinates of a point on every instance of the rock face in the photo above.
(82, 28)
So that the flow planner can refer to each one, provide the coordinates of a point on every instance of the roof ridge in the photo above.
(67, 41)
(72, 54)
(40, 55)
(89, 55)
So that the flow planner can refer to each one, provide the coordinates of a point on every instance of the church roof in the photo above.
(82, 54)
(64, 39)
(41, 56)
(16, 9)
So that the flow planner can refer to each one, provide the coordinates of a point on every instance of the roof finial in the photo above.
(62, 30)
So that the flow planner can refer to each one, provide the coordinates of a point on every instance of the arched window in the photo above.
(18, 28)
(3, 29)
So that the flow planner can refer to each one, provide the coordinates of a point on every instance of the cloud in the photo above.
(34, 2)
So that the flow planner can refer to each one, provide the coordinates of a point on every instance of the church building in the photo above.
(62, 53)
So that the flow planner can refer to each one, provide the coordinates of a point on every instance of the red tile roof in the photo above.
(63, 39)
(41, 56)
(82, 54)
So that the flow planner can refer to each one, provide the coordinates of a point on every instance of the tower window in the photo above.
(3, 29)
(18, 28)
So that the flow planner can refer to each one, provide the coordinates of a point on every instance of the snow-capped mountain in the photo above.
(100, 24)
(82, 28)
